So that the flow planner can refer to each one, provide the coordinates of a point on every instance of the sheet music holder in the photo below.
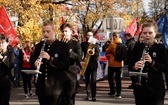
(31, 71)
(138, 74)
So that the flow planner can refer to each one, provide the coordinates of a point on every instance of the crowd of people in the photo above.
(60, 61)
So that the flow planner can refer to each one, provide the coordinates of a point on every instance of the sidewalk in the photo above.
(18, 98)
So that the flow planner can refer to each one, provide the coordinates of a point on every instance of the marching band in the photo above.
(55, 66)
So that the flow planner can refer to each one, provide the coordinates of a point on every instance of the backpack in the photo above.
(121, 52)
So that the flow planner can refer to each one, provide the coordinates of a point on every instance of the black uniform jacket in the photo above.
(94, 58)
(51, 81)
(6, 66)
(75, 58)
(153, 86)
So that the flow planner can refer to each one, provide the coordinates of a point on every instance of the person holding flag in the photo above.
(8, 38)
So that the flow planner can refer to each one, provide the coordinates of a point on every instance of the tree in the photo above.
(88, 15)
(31, 13)
(92, 12)
(156, 8)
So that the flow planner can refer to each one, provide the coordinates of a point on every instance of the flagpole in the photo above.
(22, 48)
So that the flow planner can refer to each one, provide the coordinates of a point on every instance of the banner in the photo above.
(139, 30)
(163, 29)
(6, 27)
(62, 20)
(132, 27)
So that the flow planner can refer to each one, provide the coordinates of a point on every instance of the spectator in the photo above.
(114, 67)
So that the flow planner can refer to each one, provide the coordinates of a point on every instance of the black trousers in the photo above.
(49, 100)
(90, 79)
(5, 91)
(148, 101)
(133, 78)
(26, 82)
(69, 92)
(117, 71)
(143, 96)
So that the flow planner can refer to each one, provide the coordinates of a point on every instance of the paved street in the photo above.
(102, 97)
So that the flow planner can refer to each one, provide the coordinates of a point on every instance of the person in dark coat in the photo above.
(55, 60)
(151, 58)
(91, 70)
(105, 46)
(17, 65)
(75, 57)
(130, 42)
(6, 64)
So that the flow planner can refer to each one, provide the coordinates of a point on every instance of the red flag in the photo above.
(7, 28)
(132, 27)
(139, 30)
(62, 20)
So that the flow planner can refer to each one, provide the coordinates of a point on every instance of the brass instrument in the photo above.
(90, 52)
(141, 74)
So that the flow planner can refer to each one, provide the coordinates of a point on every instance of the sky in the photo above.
(145, 2)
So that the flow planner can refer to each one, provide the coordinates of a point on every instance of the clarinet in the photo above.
(40, 59)
(146, 50)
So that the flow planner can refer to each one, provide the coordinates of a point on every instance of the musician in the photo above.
(55, 60)
(6, 64)
(149, 90)
(91, 70)
(75, 57)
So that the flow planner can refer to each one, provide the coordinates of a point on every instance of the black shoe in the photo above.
(30, 93)
(19, 85)
(78, 85)
(118, 96)
(130, 87)
(88, 95)
(76, 91)
(87, 98)
(111, 94)
(93, 99)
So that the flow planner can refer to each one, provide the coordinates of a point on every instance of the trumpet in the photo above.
(141, 74)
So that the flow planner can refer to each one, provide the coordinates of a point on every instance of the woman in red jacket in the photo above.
(26, 54)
